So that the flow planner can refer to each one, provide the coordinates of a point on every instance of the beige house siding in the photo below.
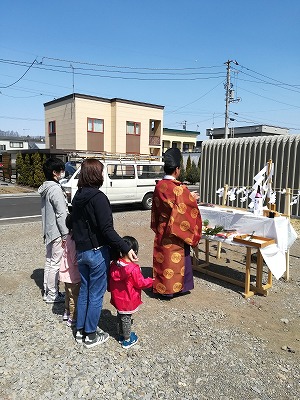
(64, 116)
(113, 122)
(141, 114)
(71, 113)
(91, 109)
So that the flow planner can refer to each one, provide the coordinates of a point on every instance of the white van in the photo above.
(126, 181)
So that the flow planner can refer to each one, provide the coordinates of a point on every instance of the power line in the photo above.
(129, 67)
(171, 112)
(78, 71)
(147, 74)
(265, 76)
(268, 98)
(5, 87)
(21, 97)
(281, 85)
(22, 119)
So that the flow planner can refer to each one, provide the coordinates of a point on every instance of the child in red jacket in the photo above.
(125, 284)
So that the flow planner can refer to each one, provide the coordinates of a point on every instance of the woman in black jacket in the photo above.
(94, 234)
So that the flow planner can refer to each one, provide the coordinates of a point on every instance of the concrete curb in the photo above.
(33, 194)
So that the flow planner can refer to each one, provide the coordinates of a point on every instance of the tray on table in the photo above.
(254, 241)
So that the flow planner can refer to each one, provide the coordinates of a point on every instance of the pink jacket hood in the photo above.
(123, 271)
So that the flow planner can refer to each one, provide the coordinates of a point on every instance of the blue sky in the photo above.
(165, 52)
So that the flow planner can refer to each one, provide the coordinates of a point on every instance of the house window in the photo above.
(52, 128)
(95, 125)
(15, 145)
(2, 146)
(133, 128)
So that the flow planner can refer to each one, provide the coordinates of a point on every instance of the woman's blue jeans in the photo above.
(93, 266)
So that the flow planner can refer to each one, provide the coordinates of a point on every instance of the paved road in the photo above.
(27, 207)
(20, 208)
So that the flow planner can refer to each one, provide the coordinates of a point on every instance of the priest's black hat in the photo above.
(172, 158)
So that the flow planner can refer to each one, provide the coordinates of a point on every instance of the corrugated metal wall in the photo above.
(236, 161)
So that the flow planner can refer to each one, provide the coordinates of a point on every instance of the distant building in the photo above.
(182, 139)
(247, 131)
(12, 143)
(36, 144)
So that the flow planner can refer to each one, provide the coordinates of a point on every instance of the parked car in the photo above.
(126, 181)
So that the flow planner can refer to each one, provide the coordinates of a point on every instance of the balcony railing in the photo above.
(154, 140)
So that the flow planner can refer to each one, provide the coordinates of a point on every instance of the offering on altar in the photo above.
(254, 241)
(212, 231)
(258, 203)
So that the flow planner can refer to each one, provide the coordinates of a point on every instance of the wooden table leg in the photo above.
(247, 274)
(259, 270)
(287, 268)
(270, 278)
(260, 288)
(219, 248)
(207, 251)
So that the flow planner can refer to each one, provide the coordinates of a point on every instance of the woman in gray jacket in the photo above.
(54, 212)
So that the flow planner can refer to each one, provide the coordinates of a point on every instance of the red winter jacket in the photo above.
(125, 284)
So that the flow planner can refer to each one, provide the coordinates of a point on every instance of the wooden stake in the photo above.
(224, 200)
(269, 168)
(287, 212)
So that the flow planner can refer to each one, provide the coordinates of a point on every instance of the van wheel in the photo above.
(147, 201)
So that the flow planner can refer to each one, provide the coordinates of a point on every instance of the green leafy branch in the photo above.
(213, 231)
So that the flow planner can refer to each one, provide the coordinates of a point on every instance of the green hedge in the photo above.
(29, 169)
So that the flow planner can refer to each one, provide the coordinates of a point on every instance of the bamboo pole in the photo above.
(224, 200)
(269, 168)
(287, 212)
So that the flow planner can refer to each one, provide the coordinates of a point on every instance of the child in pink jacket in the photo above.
(69, 274)
(125, 284)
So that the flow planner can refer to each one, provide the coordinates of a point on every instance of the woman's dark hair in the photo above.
(52, 164)
(91, 174)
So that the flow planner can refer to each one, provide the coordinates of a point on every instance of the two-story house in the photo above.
(90, 123)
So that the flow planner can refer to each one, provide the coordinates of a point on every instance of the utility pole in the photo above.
(229, 97)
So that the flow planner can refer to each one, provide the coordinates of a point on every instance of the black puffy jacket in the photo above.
(93, 221)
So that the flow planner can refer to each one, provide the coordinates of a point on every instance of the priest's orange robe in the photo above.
(176, 221)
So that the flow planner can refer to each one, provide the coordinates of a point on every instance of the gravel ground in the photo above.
(209, 344)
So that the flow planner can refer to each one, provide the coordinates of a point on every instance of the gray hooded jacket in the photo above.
(54, 211)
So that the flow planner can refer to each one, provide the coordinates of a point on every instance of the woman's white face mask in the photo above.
(62, 175)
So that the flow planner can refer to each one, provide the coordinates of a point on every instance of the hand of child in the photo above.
(132, 256)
